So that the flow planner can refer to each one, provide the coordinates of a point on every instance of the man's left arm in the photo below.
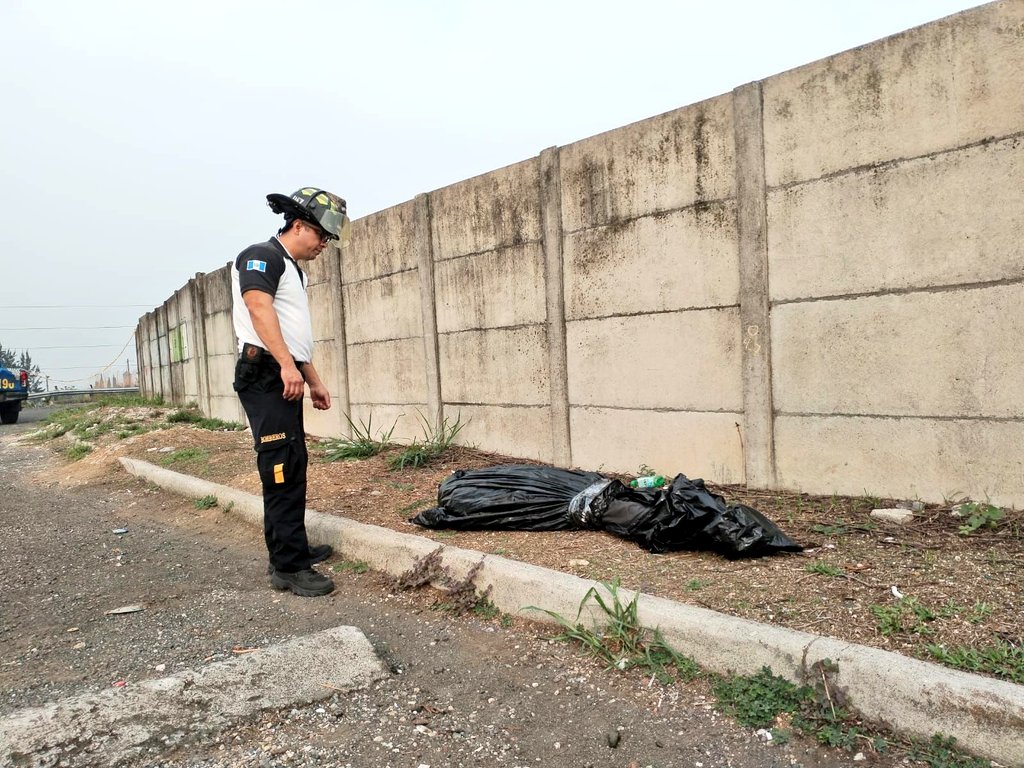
(318, 392)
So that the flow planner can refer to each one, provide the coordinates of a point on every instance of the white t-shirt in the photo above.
(268, 267)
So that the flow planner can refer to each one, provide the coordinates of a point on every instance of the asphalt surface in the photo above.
(459, 691)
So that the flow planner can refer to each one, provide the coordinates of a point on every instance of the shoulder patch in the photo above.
(256, 265)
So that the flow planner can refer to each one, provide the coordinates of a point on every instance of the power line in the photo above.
(72, 306)
(74, 346)
(67, 328)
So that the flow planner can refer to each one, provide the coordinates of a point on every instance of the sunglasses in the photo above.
(323, 234)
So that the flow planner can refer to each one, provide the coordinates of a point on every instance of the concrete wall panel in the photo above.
(666, 162)
(657, 263)
(956, 218)
(520, 432)
(217, 290)
(382, 243)
(496, 366)
(939, 86)
(220, 334)
(922, 458)
(928, 354)
(698, 444)
(405, 419)
(386, 308)
(319, 297)
(496, 210)
(683, 360)
(388, 372)
(497, 288)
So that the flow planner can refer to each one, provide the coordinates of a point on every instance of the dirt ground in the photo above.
(84, 538)
(957, 590)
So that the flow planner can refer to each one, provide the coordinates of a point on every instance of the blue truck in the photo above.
(13, 392)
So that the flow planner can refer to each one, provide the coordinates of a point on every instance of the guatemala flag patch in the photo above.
(258, 266)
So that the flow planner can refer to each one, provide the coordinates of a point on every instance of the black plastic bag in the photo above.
(682, 515)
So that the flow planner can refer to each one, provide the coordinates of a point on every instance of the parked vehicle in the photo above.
(13, 392)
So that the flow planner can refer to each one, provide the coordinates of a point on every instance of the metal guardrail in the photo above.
(80, 392)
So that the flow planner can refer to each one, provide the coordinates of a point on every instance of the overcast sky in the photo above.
(140, 138)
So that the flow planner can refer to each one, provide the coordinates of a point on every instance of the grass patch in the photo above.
(623, 643)
(437, 439)
(362, 444)
(841, 527)
(823, 569)
(206, 502)
(184, 456)
(1000, 659)
(906, 615)
(78, 451)
(194, 417)
(696, 585)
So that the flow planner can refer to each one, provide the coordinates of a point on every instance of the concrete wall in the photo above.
(811, 283)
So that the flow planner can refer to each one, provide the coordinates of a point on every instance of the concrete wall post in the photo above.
(752, 230)
(551, 228)
(425, 260)
(336, 315)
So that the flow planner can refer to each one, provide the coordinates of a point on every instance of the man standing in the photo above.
(275, 342)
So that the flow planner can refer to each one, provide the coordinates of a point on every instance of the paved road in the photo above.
(460, 692)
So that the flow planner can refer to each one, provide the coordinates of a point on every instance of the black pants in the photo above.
(281, 458)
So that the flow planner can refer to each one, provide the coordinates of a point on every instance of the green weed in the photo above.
(623, 643)
(842, 527)
(78, 451)
(185, 455)
(980, 516)
(206, 502)
(1000, 659)
(941, 752)
(823, 569)
(436, 441)
(362, 444)
(695, 585)
(193, 416)
(906, 615)
(756, 701)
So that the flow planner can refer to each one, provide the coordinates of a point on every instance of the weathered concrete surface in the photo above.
(944, 354)
(910, 696)
(387, 372)
(520, 431)
(680, 260)
(935, 221)
(491, 290)
(382, 243)
(495, 210)
(928, 459)
(615, 361)
(383, 308)
(495, 366)
(708, 445)
(943, 85)
(195, 704)
(661, 164)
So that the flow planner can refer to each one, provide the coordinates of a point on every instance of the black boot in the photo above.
(307, 583)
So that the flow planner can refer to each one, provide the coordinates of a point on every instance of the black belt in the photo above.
(252, 353)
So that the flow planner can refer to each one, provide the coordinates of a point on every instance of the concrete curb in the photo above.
(122, 723)
(912, 697)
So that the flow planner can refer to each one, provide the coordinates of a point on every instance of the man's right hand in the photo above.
(294, 384)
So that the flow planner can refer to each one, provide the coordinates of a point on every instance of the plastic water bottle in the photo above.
(648, 481)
